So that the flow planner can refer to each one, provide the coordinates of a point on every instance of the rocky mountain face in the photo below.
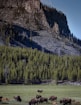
(57, 20)
(36, 25)
(33, 14)
(26, 13)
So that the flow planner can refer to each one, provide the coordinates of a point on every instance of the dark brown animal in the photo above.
(43, 99)
(38, 96)
(18, 98)
(66, 101)
(52, 98)
(33, 101)
(40, 91)
(1, 98)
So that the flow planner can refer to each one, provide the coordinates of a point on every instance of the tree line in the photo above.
(20, 65)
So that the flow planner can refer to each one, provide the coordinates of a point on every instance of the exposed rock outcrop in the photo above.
(26, 13)
(56, 17)
(50, 25)
(56, 28)
(33, 14)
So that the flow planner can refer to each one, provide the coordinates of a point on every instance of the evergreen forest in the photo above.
(27, 66)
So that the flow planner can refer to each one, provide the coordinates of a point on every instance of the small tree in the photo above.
(56, 75)
(6, 73)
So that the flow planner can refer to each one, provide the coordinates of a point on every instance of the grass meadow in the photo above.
(28, 92)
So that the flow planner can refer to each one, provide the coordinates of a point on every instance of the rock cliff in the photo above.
(33, 14)
(49, 27)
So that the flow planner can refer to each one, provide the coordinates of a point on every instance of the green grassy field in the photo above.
(30, 91)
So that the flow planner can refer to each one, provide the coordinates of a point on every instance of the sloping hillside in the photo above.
(29, 23)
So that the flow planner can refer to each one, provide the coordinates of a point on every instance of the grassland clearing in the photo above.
(28, 92)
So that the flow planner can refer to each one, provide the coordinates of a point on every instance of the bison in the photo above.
(40, 91)
(66, 101)
(43, 99)
(33, 101)
(18, 98)
(38, 96)
(5, 99)
(1, 98)
(52, 98)
(54, 103)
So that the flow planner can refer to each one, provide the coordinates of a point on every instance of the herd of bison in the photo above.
(40, 99)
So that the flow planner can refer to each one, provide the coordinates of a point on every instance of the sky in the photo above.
(72, 10)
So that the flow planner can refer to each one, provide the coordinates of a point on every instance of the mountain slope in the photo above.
(29, 23)
(33, 14)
